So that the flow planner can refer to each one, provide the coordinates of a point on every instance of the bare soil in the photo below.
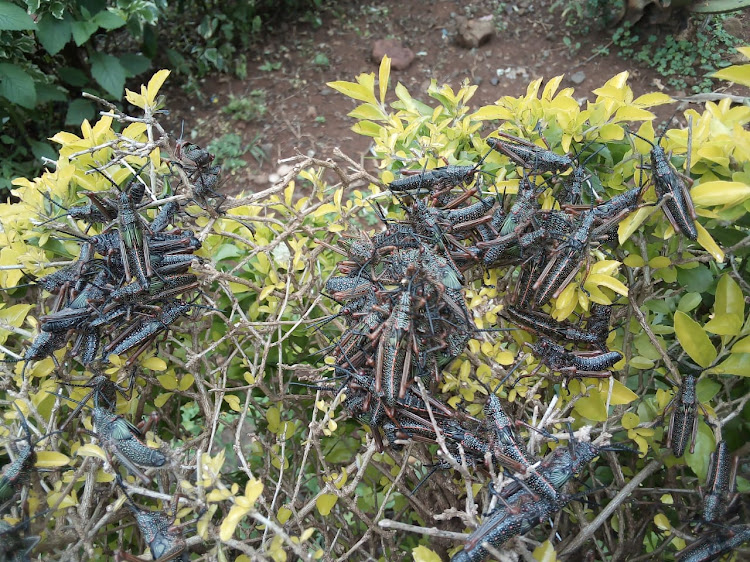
(304, 115)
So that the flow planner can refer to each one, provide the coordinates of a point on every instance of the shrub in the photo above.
(282, 472)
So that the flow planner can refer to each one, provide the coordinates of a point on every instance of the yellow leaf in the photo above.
(551, 87)
(708, 243)
(621, 394)
(383, 75)
(354, 90)
(136, 99)
(662, 522)
(632, 222)
(566, 302)
(693, 339)
(724, 325)
(51, 459)
(597, 280)
(739, 74)
(283, 515)
(424, 554)
(630, 113)
(253, 490)
(713, 193)
(155, 364)
(218, 495)
(368, 111)
(659, 261)
(325, 503)
(605, 267)
(231, 521)
(156, 82)
(592, 407)
(233, 401)
(91, 450)
(491, 113)
(652, 99)
(265, 292)
(630, 420)
(545, 552)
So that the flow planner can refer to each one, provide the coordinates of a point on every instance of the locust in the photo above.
(683, 424)
(720, 489)
(679, 208)
(16, 473)
(164, 539)
(122, 439)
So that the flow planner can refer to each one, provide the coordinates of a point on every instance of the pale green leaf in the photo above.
(325, 503)
(694, 340)
(424, 554)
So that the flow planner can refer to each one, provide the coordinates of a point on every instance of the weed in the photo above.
(320, 119)
(247, 108)
(269, 66)
(228, 148)
(321, 60)
(685, 64)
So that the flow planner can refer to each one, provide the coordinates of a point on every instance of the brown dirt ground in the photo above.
(304, 115)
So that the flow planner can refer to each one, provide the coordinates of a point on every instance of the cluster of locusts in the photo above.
(129, 295)
(402, 301)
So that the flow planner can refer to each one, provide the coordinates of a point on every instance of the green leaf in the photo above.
(705, 444)
(82, 31)
(109, 73)
(729, 299)
(694, 339)
(135, 64)
(689, 301)
(724, 325)
(736, 364)
(14, 18)
(696, 280)
(17, 86)
(78, 110)
(706, 389)
(108, 20)
(53, 34)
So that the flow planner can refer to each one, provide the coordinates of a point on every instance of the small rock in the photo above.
(494, 81)
(401, 57)
(733, 26)
(472, 33)
(284, 169)
(578, 77)
(326, 92)
(310, 153)
(273, 177)
(477, 80)
(311, 111)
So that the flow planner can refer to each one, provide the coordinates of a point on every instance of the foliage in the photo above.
(247, 108)
(683, 62)
(282, 472)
